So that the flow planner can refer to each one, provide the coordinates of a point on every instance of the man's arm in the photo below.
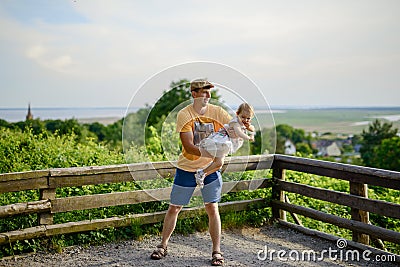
(190, 147)
(187, 143)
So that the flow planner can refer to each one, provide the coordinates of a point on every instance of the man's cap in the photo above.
(200, 84)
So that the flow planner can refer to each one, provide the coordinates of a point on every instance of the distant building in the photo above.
(29, 116)
(327, 148)
(290, 148)
(357, 148)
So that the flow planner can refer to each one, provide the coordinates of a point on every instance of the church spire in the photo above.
(29, 116)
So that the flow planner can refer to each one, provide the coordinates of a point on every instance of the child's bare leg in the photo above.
(215, 165)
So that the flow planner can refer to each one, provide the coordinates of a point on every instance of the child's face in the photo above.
(245, 117)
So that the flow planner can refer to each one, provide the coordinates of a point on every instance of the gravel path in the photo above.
(241, 247)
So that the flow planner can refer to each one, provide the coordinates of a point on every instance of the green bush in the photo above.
(24, 151)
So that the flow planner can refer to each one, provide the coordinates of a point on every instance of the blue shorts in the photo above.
(185, 183)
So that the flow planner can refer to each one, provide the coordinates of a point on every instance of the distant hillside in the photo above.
(335, 120)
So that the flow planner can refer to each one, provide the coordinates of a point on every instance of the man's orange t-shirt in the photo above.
(188, 120)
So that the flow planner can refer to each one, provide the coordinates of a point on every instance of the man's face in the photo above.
(202, 95)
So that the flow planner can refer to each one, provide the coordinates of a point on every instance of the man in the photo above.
(194, 123)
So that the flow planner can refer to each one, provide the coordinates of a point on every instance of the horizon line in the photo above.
(255, 107)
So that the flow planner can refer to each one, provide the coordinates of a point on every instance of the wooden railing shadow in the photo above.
(47, 181)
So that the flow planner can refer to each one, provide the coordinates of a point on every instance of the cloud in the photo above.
(35, 52)
(289, 44)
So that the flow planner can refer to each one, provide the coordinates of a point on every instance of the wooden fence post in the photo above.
(277, 194)
(359, 189)
(46, 218)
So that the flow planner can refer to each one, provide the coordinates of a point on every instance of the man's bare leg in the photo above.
(169, 223)
(214, 225)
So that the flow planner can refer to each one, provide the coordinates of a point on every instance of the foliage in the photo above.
(264, 142)
(51, 144)
(297, 136)
(387, 155)
(178, 93)
(288, 132)
(153, 144)
(133, 129)
(23, 151)
(304, 148)
(372, 139)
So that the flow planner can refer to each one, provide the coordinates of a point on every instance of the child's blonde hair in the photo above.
(245, 107)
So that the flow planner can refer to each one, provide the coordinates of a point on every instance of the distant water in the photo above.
(19, 114)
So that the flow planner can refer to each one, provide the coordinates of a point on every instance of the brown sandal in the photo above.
(217, 258)
(159, 253)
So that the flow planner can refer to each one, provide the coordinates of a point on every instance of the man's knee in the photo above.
(174, 209)
(212, 209)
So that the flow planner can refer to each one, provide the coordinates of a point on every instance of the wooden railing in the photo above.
(47, 181)
(357, 199)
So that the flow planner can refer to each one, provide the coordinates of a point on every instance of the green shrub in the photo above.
(24, 151)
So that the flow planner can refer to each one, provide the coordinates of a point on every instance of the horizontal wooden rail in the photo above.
(358, 174)
(141, 196)
(376, 206)
(25, 208)
(89, 225)
(92, 175)
(15, 176)
(372, 230)
(21, 185)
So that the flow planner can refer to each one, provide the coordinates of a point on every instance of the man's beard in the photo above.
(205, 101)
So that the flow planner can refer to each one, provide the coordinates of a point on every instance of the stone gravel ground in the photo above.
(241, 247)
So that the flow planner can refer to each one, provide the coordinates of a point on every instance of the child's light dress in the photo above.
(219, 144)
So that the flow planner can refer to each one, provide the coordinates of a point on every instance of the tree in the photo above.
(133, 128)
(284, 132)
(298, 136)
(98, 129)
(388, 154)
(178, 93)
(304, 149)
(372, 139)
(4, 124)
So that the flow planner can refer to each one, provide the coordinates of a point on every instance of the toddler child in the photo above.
(220, 144)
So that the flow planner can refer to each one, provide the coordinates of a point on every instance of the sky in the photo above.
(105, 53)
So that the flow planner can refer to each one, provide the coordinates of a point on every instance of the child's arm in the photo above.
(252, 132)
(239, 133)
(251, 128)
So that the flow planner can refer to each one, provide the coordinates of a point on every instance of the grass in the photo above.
(334, 120)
